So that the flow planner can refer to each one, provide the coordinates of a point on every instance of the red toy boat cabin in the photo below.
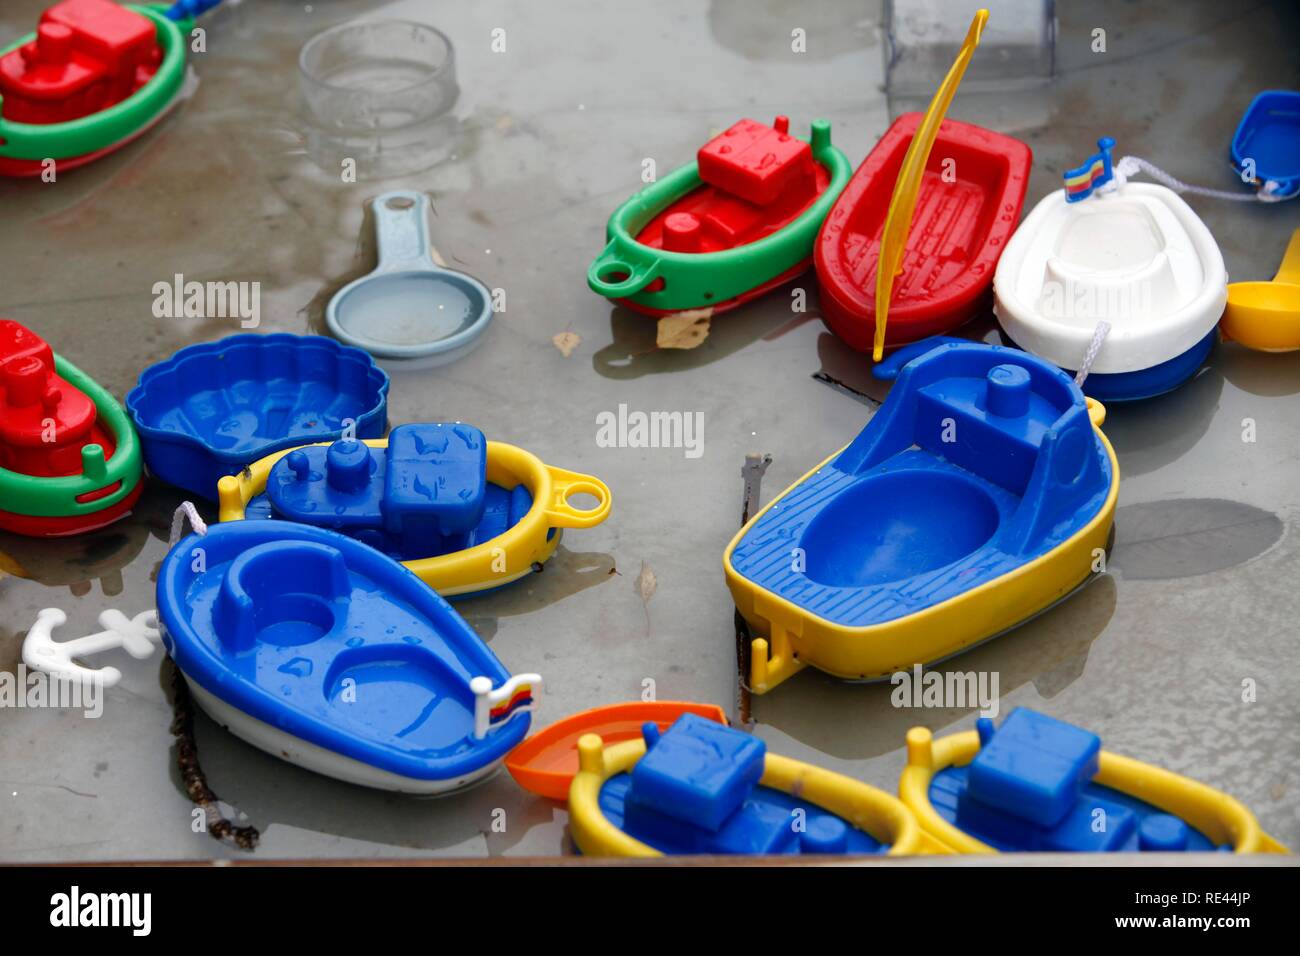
(87, 56)
(969, 204)
(46, 420)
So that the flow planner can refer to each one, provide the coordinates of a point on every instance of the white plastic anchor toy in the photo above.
(41, 652)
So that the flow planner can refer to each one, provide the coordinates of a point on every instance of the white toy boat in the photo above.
(1126, 275)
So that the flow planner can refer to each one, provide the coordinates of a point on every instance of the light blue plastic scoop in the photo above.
(409, 310)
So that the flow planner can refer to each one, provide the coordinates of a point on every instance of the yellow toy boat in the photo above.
(704, 788)
(527, 505)
(1038, 784)
(982, 492)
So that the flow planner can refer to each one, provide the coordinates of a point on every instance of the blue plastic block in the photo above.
(436, 479)
(1034, 767)
(699, 772)
(1079, 832)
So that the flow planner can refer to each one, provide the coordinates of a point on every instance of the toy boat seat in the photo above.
(983, 461)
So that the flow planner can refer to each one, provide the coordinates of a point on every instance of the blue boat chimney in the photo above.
(347, 465)
(1008, 391)
(650, 731)
(984, 726)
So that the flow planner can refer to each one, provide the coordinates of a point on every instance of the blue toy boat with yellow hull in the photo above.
(465, 514)
(1039, 784)
(703, 788)
(318, 649)
(982, 492)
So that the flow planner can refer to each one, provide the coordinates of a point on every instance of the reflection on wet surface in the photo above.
(1182, 537)
(1151, 656)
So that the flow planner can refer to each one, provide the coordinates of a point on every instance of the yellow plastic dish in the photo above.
(1217, 815)
(1266, 315)
(881, 814)
(497, 561)
(793, 637)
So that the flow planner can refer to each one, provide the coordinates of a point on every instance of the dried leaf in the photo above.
(684, 330)
(566, 342)
(646, 583)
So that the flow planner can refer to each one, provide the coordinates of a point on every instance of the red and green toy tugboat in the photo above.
(69, 456)
(93, 77)
(715, 233)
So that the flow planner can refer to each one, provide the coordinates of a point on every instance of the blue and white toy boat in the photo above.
(1121, 281)
(980, 494)
(319, 649)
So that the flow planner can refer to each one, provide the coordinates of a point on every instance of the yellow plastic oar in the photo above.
(1266, 315)
(903, 203)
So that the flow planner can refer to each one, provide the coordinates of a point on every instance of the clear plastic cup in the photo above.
(379, 92)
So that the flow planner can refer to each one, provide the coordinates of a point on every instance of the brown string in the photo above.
(196, 784)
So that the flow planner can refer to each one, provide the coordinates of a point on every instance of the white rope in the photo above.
(1132, 165)
(186, 510)
(1098, 336)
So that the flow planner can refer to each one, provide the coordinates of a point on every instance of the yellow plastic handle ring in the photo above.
(565, 484)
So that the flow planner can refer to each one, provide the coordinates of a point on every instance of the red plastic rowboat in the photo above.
(545, 763)
(969, 204)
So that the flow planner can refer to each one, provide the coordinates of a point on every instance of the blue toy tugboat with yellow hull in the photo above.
(704, 788)
(1039, 784)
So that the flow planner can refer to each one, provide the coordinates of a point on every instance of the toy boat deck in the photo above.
(1136, 258)
(725, 229)
(69, 458)
(969, 203)
(703, 788)
(1038, 784)
(980, 493)
(318, 649)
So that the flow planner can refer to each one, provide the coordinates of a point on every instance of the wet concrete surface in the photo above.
(1200, 600)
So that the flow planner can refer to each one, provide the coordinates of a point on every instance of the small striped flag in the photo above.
(1079, 183)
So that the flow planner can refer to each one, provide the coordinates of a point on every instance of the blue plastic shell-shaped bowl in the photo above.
(212, 408)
